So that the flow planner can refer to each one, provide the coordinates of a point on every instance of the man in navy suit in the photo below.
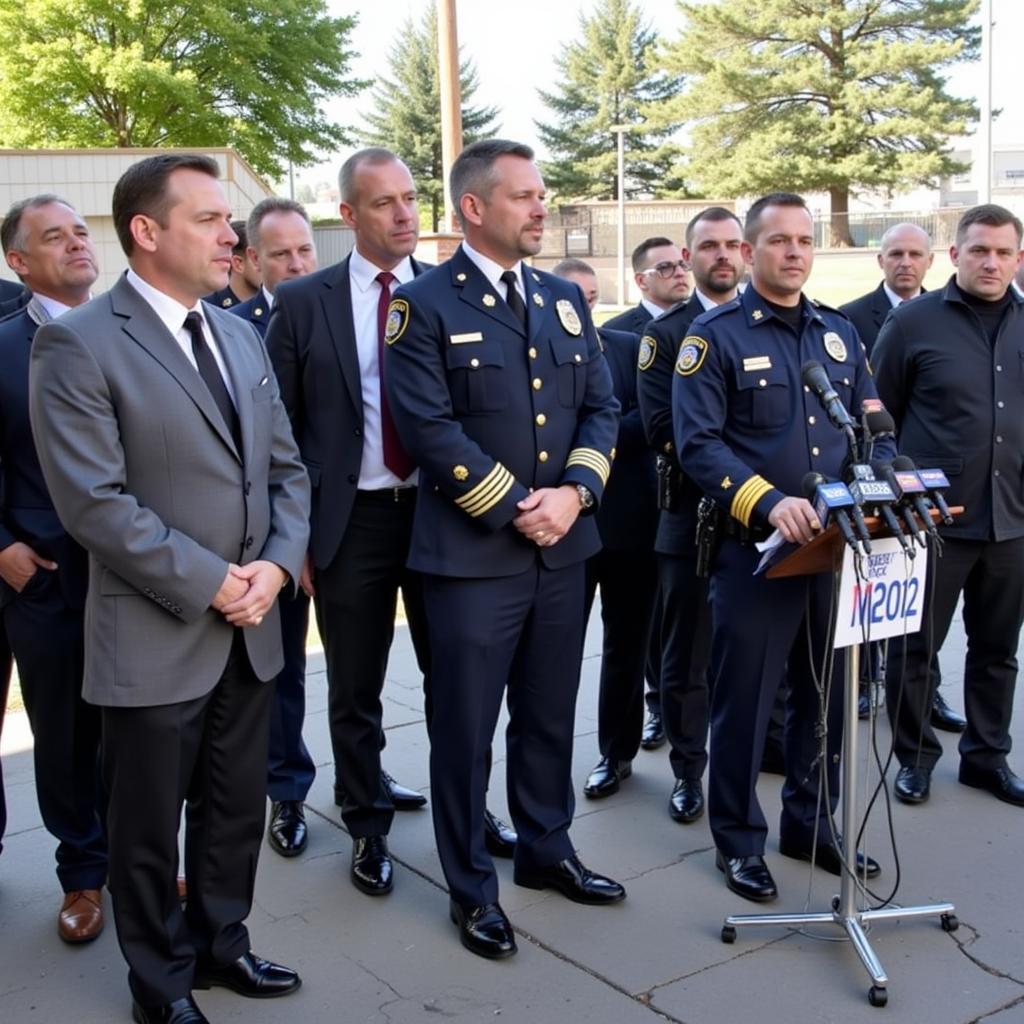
(660, 273)
(500, 394)
(281, 248)
(323, 340)
(624, 568)
(44, 572)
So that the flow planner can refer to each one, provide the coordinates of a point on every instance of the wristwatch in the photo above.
(586, 496)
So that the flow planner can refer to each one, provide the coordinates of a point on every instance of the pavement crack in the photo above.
(643, 998)
(718, 963)
(686, 855)
(1012, 1004)
(995, 972)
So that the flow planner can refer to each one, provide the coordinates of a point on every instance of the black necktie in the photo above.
(514, 299)
(210, 372)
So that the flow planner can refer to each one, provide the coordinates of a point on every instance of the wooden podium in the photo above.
(825, 554)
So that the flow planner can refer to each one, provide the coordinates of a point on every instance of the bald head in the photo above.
(905, 256)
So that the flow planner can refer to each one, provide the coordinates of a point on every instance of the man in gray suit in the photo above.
(169, 457)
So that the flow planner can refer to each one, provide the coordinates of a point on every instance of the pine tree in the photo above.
(830, 95)
(608, 79)
(406, 117)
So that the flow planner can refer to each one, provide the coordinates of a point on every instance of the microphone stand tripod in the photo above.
(845, 913)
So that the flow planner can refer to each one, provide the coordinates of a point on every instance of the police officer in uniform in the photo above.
(747, 432)
(244, 279)
(712, 251)
(500, 394)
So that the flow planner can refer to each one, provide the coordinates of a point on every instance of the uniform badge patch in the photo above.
(460, 472)
(648, 348)
(691, 355)
(397, 321)
(569, 317)
(835, 346)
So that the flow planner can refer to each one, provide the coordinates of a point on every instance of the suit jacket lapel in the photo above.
(882, 305)
(146, 329)
(336, 300)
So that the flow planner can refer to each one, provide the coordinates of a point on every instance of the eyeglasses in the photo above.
(666, 269)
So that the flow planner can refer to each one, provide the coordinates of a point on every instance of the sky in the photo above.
(514, 54)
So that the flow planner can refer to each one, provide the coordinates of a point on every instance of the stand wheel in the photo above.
(835, 904)
(728, 934)
(878, 996)
(949, 922)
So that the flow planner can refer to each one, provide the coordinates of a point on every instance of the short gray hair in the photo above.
(263, 209)
(473, 170)
(347, 174)
(572, 265)
(11, 236)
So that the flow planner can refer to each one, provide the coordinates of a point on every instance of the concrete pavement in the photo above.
(655, 957)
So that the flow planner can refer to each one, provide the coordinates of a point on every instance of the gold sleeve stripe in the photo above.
(488, 492)
(752, 491)
(592, 459)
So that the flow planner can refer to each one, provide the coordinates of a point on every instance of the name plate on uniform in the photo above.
(886, 600)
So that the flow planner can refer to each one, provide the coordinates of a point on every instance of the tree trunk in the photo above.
(839, 234)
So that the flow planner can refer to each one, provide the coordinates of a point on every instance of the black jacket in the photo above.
(867, 314)
(632, 320)
(957, 403)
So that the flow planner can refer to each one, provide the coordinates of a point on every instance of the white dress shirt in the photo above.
(172, 315)
(493, 271)
(373, 474)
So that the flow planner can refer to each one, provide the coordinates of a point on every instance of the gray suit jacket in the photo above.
(145, 476)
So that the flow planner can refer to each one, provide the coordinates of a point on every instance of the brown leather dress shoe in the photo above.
(81, 916)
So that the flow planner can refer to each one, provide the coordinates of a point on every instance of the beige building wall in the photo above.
(86, 178)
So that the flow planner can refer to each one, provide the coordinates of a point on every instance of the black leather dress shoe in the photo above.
(944, 717)
(686, 804)
(748, 877)
(573, 880)
(912, 784)
(250, 975)
(828, 858)
(605, 777)
(402, 798)
(484, 930)
(653, 735)
(372, 871)
(286, 832)
(181, 1011)
(1000, 782)
(499, 838)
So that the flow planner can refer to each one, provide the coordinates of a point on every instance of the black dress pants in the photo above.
(211, 755)
(990, 575)
(356, 597)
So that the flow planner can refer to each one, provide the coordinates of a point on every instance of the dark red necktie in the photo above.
(395, 457)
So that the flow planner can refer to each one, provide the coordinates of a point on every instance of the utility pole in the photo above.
(451, 100)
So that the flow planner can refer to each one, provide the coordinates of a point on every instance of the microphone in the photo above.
(814, 377)
(914, 489)
(903, 489)
(867, 490)
(934, 479)
(830, 503)
(875, 423)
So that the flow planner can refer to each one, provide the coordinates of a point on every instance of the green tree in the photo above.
(406, 116)
(608, 78)
(245, 73)
(830, 95)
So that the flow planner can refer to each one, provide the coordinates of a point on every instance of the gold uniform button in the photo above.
(613, 453)
(541, 419)
(811, 420)
(537, 383)
(578, 358)
(533, 353)
(542, 456)
(815, 451)
(474, 362)
(762, 383)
